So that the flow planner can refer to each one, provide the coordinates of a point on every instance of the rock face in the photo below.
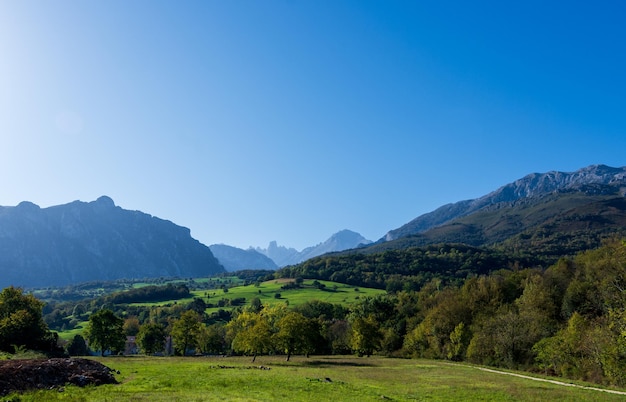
(235, 259)
(340, 241)
(80, 241)
(593, 179)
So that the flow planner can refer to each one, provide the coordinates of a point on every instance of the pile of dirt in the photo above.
(23, 375)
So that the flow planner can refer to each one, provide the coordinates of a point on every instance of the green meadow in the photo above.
(331, 292)
(334, 378)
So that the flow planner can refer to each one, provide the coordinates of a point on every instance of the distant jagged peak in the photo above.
(340, 241)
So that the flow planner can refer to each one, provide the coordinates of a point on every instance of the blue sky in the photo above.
(252, 121)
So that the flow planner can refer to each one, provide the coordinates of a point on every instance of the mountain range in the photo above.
(594, 179)
(236, 259)
(88, 241)
(342, 240)
(558, 211)
(551, 215)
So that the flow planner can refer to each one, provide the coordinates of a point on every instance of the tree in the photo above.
(251, 333)
(151, 338)
(210, 339)
(295, 334)
(338, 336)
(131, 326)
(198, 305)
(22, 324)
(77, 346)
(78, 311)
(185, 330)
(366, 335)
(458, 342)
(105, 331)
(256, 305)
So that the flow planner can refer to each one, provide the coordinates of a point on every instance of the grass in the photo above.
(266, 292)
(313, 379)
(70, 333)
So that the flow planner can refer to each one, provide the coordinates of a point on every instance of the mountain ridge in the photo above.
(343, 240)
(529, 186)
(236, 259)
(97, 240)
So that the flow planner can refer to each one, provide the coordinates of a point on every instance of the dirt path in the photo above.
(565, 384)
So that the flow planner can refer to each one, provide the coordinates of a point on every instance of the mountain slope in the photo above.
(342, 240)
(593, 179)
(81, 241)
(236, 259)
(555, 225)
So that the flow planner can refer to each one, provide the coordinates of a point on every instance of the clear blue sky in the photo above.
(251, 121)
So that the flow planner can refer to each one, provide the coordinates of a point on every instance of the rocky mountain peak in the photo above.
(86, 241)
(593, 179)
(105, 202)
(340, 241)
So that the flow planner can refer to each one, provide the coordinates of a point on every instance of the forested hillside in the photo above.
(547, 227)
(406, 269)
(568, 320)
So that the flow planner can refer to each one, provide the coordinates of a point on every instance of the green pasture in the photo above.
(78, 330)
(336, 293)
(331, 378)
(212, 280)
(266, 292)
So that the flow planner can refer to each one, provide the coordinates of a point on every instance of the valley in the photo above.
(529, 277)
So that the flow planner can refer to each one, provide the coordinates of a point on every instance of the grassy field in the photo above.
(313, 379)
(332, 293)
(69, 334)
(266, 291)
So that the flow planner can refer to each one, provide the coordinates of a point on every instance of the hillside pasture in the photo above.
(331, 292)
(338, 378)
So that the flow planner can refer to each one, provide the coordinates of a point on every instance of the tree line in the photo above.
(406, 269)
(567, 320)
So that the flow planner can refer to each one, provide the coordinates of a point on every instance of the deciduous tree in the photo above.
(185, 330)
(21, 323)
(295, 334)
(366, 335)
(252, 333)
(77, 346)
(151, 338)
(105, 331)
